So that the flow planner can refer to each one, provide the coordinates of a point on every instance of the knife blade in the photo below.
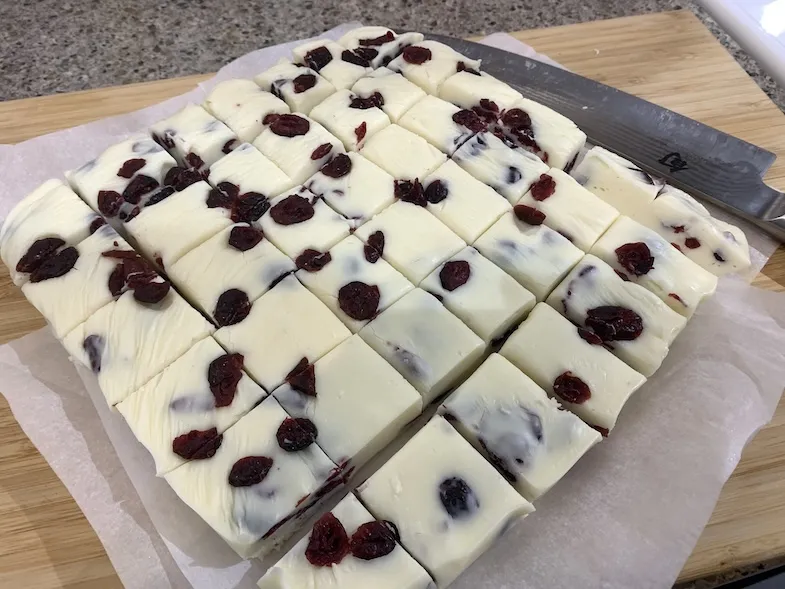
(699, 159)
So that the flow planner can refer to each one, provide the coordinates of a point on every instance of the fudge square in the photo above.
(284, 326)
(242, 105)
(350, 118)
(513, 423)
(447, 503)
(378, 44)
(356, 400)
(402, 153)
(395, 93)
(245, 173)
(180, 413)
(423, 341)
(442, 124)
(258, 479)
(299, 86)
(429, 63)
(480, 91)
(571, 363)
(336, 64)
(347, 547)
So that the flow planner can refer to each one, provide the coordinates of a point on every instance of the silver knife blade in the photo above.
(703, 161)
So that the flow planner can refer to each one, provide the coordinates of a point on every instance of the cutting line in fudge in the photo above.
(340, 66)
(487, 96)
(429, 63)
(242, 105)
(397, 93)
(350, 118)
(442, 124)
(378, 45)
(299, 86)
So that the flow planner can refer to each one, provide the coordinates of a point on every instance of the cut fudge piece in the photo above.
(347, 547)
(242, 105)
(411, 239)
(299, 146)
(229, 271)
(356, 400)
(256, 481)
(479, 293)
(441, 123)
(246, 171)
(513, 423)
(284, 326)
(508, 170)
(353, 281)
(429, 63)
(377, 44)
(634, 323)
(299, 86)
(463, 203)
(350, 118)
(128, 341)
(39, 233)
(423, 341)
(571, 363)
(336, 64)
(402, 153)
(569, 208)
(535, 255)
(354, 186)
(646, 258)
(480, 91)
(181, 412)
(301, 221)
(397, 93)
(447, 503)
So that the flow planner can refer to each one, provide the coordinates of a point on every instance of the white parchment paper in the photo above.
(627, 516)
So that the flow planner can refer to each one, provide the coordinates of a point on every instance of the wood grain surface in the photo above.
(668, 58)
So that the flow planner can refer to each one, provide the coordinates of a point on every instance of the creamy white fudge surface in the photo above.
(463, 203)
(357, 401)
(441, 123)
(350, 118)
(127, 342)
(634, 322)
(448, 504)
(242, 105)
(429, 63)
(179, 414)
(510, 171)
(246, 169)
(379, 44)
(260, 477)
(513, 423)
(354, 186)
(397, 93)
(535, 255)
(299, 86)
(42, 229)
(569, 208)
(299, 146)
(284, 326)
(479, 293)
(423, 341)
(412, 240)
(571, 364)
(646, 258)
(347, 549)
(472, 89)
(402, 153)
(338, 65)
(354, 281)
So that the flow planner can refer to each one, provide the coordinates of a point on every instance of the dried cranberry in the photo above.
(289, 125)
(229, 146)
(291, 210)
(250, 207)
(372, 540)
(40, 250)
(197, 444)
(500, 463)
(614, 323)
(718, 257)
(360, 131)
(516, 119)
(678, 228)
(458, 498)
(270, 118)
(604, 431)
(676, 297)
(337, 167)
(223, 375)
(303, 82)
(513, 175)
(374, 100)
(692, 243)
(185, 178)
(312, 260)
(454, 274)
(469, 119)
(295, 434)
(243, 238)
(109, 202)
(416, 55)
(160, 195)
(462, 67)
(321, 151)
(635, 257)
(543, 188)
(622, 275)
(374, 248)
(436, 192)
(529, 214)
(250, 470)
(96, 224)
(151, 292)
(218, 199)
(366, 53)
(571, 388)
(131, 167)
(590, 336)
(194, 161)
(317, 58)
(676, 245)
(93, 345)
(232, 307)
(302, 378)
(55, 265)
(329, 542)
(376, 41)
(138, 187)
(410, 191)
(358, 300)
(355, 58)
(172, 175)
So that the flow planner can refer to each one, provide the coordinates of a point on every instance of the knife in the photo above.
(692, 156)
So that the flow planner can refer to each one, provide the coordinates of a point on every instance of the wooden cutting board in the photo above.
(668, 58)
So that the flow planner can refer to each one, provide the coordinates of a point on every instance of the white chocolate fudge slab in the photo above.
(479, 293)
(299, 146)
(357, 401)
(513, 423)
(242, 105)
(646, 258)
(247, 170)
(350, 118)
(402, 153)
(127, 342)
(397, 93)
(463, 203)
(261, 479)
(354, 186)
(299, 86)
(336, 64)
(43, 225)
(301, 221)
(535, 255)
(572, 365)
(471, 89)
(569, 208)
(634, 322)
(448, 504)
(423, 341)
(429, 63)
(442, 124)
(508, 170)
(386, 44)
(354, 282)
(229, 271)
(412, 240)
(380, 563)
(284, 326)
(179, 414)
